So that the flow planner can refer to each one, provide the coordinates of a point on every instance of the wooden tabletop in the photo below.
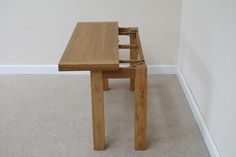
(92, 46)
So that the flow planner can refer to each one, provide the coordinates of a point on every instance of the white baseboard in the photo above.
(198, 116)
(53, 69)
(152, 69)
(35, 69)
(162, 69)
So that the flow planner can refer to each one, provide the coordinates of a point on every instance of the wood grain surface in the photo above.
(92, 46)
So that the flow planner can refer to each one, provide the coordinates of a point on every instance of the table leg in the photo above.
(133, 56)
(105, 84)
(98, 110)
(140, 107)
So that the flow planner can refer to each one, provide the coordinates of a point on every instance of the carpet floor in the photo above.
(50, 116)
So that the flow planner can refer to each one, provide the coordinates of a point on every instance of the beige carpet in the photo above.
(50, 116)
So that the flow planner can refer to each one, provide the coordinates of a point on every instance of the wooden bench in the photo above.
(94, 46)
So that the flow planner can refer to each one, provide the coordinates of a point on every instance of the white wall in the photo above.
(208, 61)
(36, 32)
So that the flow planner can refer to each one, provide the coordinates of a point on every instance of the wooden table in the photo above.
(94, 46)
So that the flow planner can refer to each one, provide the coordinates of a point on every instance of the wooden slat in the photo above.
(127, 30)
(135, 64)
(127, 46)
(93, 45)
(98, 110)
(131, 61)
(121, 73)
(126, 33)
(140, 107)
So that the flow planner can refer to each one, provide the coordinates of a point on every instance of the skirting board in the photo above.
(198, 116)
(53, 69)
(152, 69)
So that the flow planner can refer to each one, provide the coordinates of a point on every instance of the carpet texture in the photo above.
(50, 116)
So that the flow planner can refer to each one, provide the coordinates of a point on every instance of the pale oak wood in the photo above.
(140, 107)
(135, 41)
(123, 46)
(105, 84)
(98, 110)
(140, 50)
(121, 73)
(133, 56)
(93, 46)
(127, 30)
(131, 61)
